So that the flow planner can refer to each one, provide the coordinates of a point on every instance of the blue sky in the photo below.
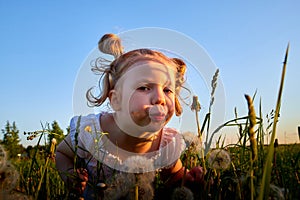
(43, 45)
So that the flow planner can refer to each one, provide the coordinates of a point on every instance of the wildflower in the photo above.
(192, 142)
(182, 193)
(219, 159)
(88, 129)
(53, 141)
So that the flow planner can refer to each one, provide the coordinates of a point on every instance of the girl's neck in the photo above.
(127, 142)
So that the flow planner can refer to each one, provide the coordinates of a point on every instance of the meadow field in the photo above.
(246, 169)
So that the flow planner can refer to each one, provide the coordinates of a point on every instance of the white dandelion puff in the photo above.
(138, 164)
(182, 193)
(119, 186)
(192, 142)
(219, 159)
(9, 177)
(276, 192)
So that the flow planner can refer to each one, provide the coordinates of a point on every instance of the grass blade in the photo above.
(265, 184)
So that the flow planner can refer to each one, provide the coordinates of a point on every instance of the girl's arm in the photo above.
(65, 157)
(172, 176)
(75, 180)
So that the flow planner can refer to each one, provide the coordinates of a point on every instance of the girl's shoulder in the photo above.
(84, 125)
(84, 120)
(172, 135)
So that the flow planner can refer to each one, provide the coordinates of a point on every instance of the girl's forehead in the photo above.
(150, 71)
(151, 68)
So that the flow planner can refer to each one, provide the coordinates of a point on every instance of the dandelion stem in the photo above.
(136, 192)
(198, 125)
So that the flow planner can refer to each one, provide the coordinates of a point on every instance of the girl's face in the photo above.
(145, 98)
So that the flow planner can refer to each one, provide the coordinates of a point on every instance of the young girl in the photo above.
(143, 88)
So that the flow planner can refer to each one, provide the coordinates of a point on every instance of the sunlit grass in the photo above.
(247, 169)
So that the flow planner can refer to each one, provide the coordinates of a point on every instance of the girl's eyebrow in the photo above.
(149, 80)
(150, 83)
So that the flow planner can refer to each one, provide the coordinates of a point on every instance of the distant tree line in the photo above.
(11, 139)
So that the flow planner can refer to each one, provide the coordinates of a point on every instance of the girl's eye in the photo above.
(144, 88)
(167, 90)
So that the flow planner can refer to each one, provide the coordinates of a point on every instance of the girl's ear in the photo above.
(115, 100)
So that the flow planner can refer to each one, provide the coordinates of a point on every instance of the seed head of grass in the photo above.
(251, 131)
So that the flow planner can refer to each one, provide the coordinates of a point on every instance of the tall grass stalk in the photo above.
(253, 144)
(265, 184)
(45, 168)
(30, 188)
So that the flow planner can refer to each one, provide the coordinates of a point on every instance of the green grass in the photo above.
(254, 170)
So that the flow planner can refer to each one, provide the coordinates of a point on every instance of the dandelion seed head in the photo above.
(195, 104)
(219, 159)
(182, 193)
(276, 192)
(192, 142)
(145, 192)
(119, 186)
(8, 177)
(189, 138)
(137, 164)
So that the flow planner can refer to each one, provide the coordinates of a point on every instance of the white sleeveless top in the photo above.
(93, 146)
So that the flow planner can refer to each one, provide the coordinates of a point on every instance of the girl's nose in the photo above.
(158, 96)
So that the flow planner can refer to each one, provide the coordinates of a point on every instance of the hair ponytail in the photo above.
(111, 44)
(181, 68)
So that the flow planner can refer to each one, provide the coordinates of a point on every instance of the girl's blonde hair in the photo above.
(112, 71)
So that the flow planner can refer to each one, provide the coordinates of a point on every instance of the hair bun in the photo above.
(111, 44)
(181, 66)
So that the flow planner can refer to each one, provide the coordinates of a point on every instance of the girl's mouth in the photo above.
(157, 117)
(157, 113)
